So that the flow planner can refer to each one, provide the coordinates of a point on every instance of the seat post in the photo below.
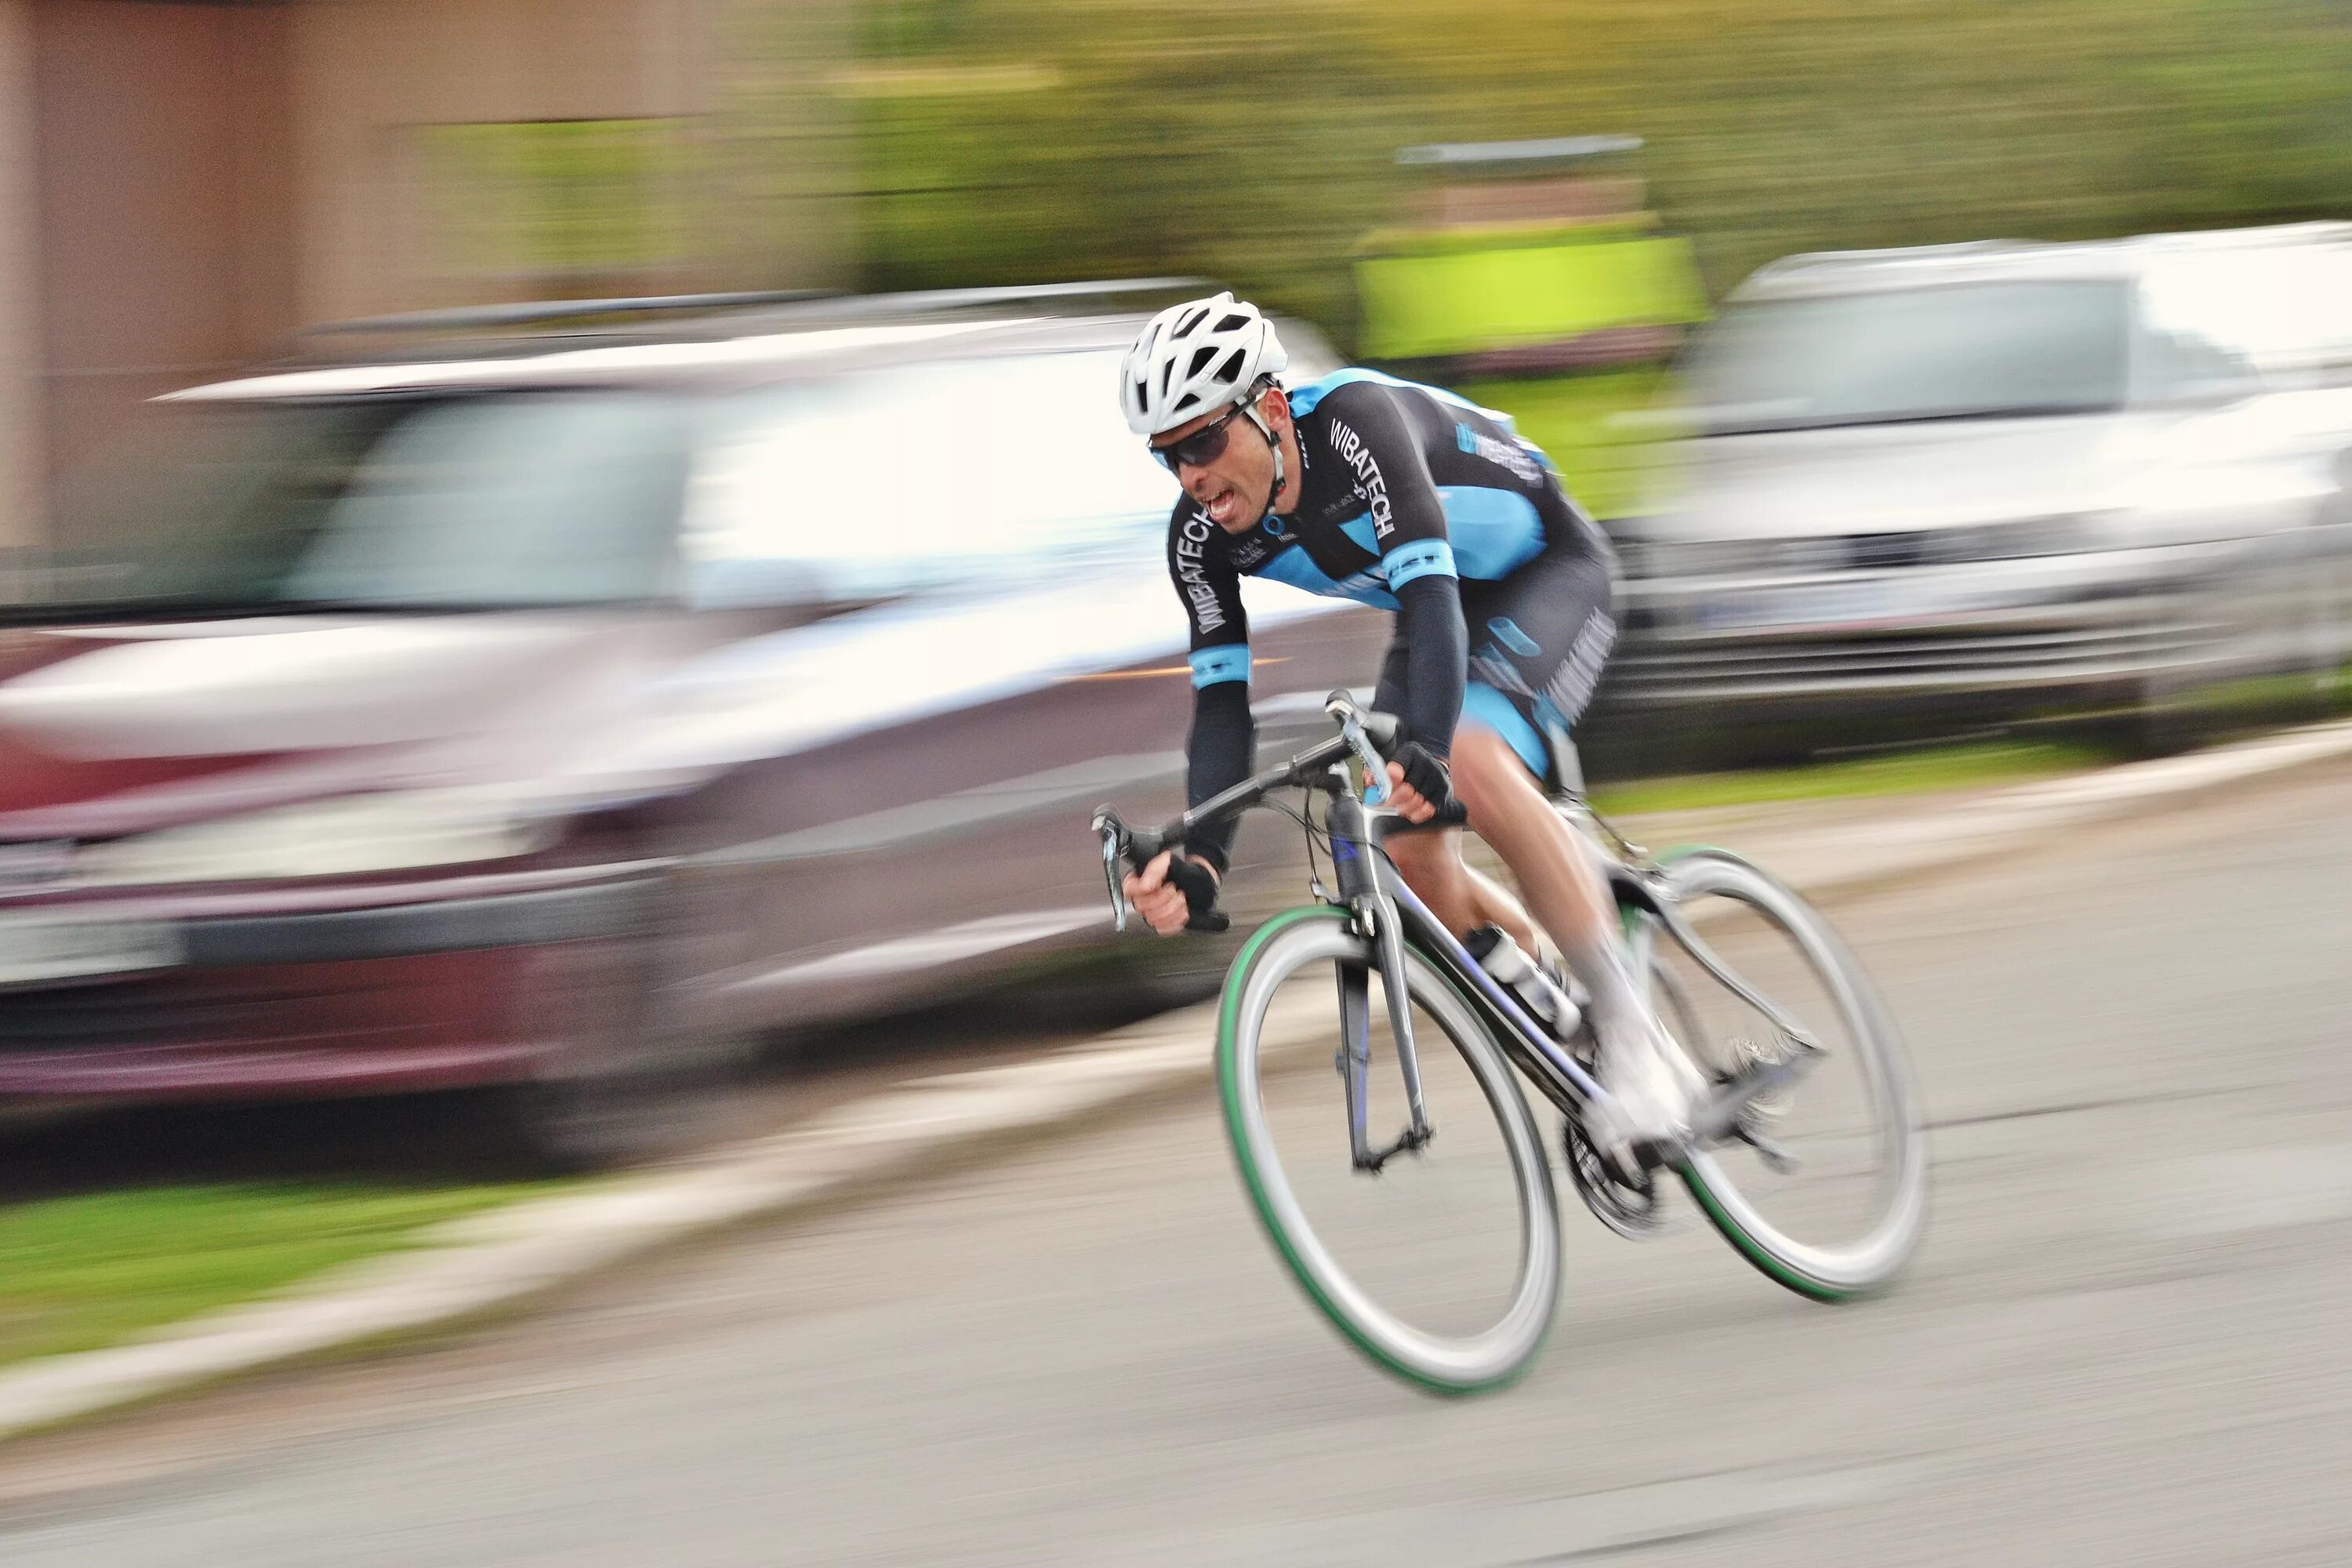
(1567, 764)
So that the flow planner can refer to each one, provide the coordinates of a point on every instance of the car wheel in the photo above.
(2166, 721)
(2166, 716)
(621, 1080)
(2321, 647)
(1119, 983)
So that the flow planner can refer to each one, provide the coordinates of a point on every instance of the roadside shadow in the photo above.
(432, 1140)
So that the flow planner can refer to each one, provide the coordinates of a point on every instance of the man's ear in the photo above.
(1274, 403)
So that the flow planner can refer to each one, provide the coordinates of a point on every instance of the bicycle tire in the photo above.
(1490, 1359)
(1872, 1260)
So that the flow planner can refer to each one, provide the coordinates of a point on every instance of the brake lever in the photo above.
(1376, 772)
(1111, 831)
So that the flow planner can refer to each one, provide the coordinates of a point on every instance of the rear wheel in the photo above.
(1830, 1197)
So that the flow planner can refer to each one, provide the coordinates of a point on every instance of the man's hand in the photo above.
(1419, 783)
(1164, 904)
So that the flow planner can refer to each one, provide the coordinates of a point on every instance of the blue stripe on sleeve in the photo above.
(1422, 558)
(1212, 665)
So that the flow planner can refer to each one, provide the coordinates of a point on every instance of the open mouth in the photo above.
(1223, 506)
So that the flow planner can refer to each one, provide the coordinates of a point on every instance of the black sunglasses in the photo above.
(1203, 446)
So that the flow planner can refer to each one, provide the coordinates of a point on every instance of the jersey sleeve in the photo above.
(1210, 592)
(1370, 433)
(1219, 747)
(1372, 436)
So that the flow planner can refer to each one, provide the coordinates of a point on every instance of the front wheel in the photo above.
(1830, 1198)
(1444, 1267)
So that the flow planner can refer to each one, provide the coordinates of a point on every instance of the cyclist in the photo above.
(1368, 487)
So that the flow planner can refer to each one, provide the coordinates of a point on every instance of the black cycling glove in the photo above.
(1426, 771)
(1199, 886)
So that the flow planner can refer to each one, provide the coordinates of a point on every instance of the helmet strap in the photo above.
(1273, 442)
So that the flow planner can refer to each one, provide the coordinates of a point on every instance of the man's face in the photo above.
(1235, 487)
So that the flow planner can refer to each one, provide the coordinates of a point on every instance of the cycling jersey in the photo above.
(1411, 500)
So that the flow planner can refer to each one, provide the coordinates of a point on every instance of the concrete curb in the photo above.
(1846, 857)
(474, 1266)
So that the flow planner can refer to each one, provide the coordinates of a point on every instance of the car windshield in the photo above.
(988, 471)
(1884, 356)
(508, 500)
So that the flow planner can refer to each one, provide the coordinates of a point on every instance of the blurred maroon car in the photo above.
(551, 718)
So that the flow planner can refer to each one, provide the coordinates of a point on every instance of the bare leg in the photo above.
(1498, 906)
(1555, 871)
(1457, 894)
(1644, 1069)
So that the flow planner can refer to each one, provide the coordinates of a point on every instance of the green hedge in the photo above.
(1003, 141)
(1011, 139)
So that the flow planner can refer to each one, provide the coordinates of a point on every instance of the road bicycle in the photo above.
(1830, 1205)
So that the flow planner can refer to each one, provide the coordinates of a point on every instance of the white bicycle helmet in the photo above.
(1192, 358)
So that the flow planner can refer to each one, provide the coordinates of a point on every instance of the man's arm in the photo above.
(1223, 739)
(1436, 661)
(1367, 432)
(1218, 754)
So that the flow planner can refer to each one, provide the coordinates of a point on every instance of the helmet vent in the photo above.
(1201, 358)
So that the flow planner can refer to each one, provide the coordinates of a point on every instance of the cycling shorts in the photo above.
(1538, 639)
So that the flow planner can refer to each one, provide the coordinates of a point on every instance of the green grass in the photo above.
(1968, 765)
(2260, 696)
(87, 1270)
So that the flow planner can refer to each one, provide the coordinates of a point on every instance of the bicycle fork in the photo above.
(1373, 914)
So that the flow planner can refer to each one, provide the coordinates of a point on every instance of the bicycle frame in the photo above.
(1384, 910)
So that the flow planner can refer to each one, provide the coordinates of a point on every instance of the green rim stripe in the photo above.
(1748, 1247)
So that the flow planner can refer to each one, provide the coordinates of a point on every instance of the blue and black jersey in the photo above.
(1415, 501)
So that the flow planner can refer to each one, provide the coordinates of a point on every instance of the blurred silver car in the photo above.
(2000, 477)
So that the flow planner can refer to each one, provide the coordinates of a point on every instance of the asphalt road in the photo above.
(2126, 1340)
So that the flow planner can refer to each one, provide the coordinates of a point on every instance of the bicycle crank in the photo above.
(1633, 1212)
